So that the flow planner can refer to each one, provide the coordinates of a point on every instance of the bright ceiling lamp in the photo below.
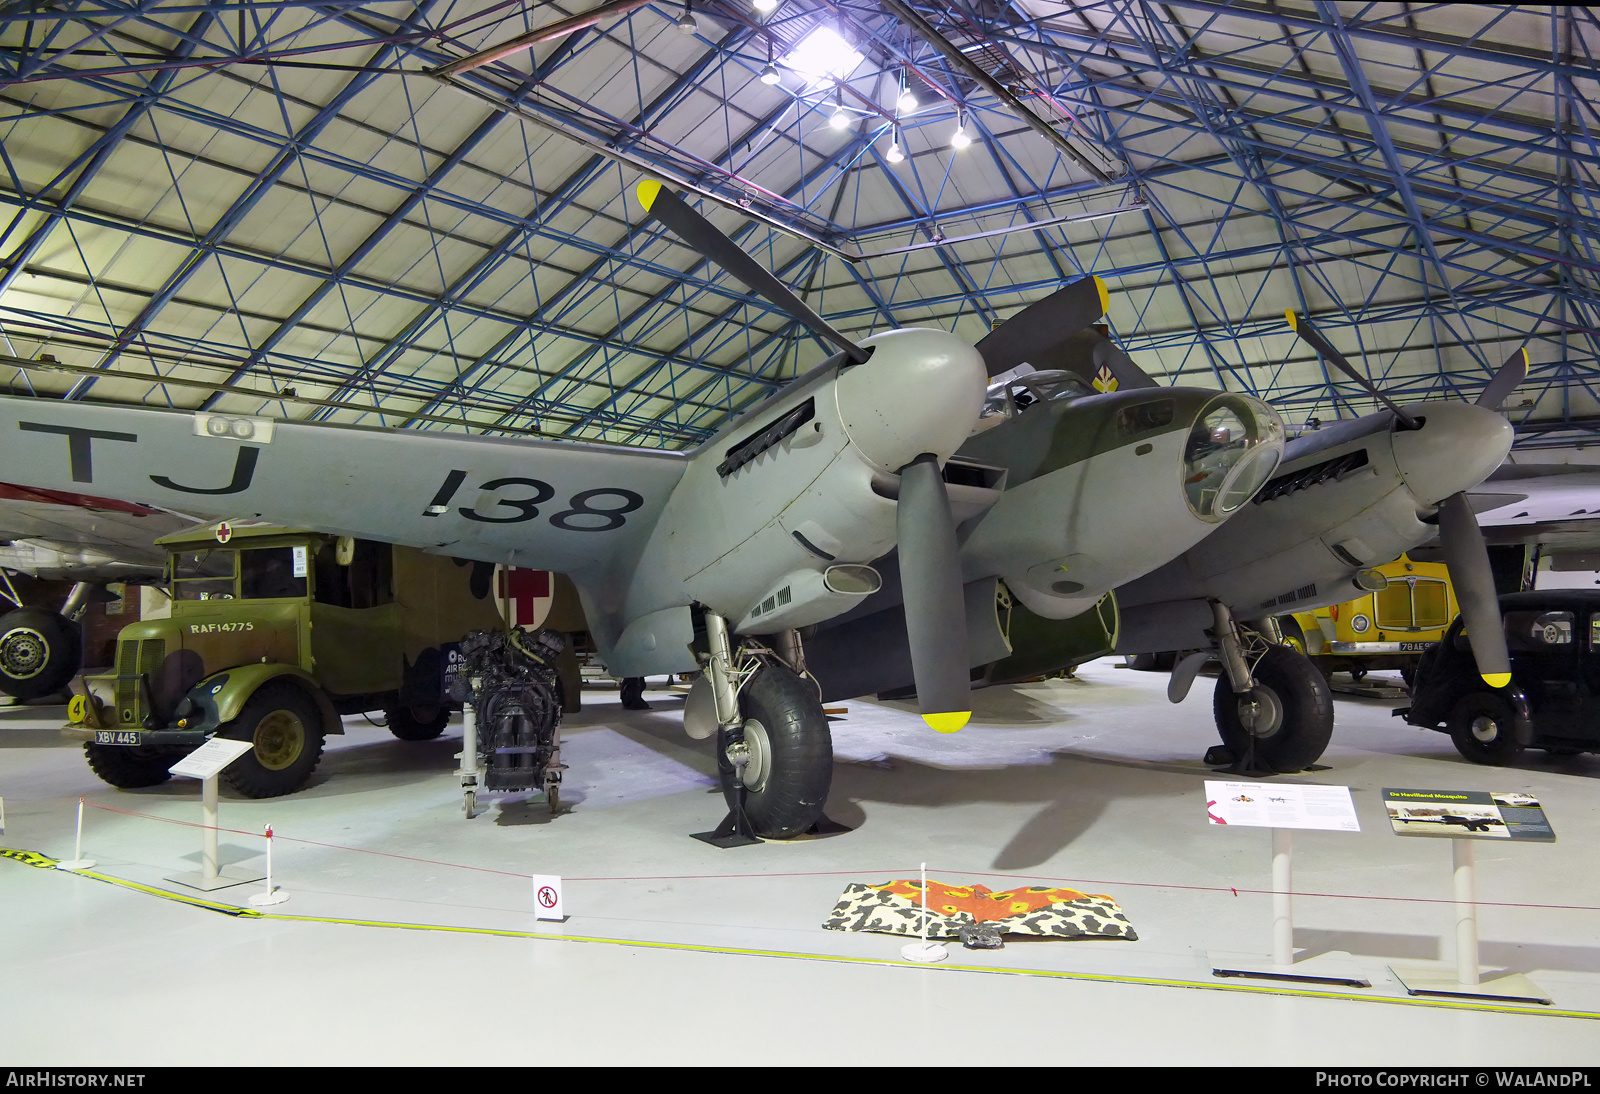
(841, 117)
(687, 23)
(766, 7)
(960, 139)
(907, 102)
(823, 55)
(895, 154)
(769, 71)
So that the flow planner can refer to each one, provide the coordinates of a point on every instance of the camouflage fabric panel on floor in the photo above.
(895, 907)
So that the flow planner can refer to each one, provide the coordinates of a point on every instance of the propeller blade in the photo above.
(930, 580)
(1504, 382)
(1468, 561)
(1313, 337)
(704, 237)
(1043, 325)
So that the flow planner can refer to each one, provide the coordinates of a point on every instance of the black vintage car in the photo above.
(1553, 700)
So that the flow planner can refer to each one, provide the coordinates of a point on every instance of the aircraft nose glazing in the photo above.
(1458, 446)
(920, 391)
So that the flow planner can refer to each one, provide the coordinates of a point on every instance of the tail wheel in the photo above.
(283, 723)
(1287, 717)
(1483, 729)
(789, 754)
(39, 652)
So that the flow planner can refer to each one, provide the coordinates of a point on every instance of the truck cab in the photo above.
(1553, 700)
(1387, 629)
(273, 634)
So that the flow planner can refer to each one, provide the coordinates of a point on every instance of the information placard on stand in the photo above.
(1283, 807)
(1464, 816)
(206, 763)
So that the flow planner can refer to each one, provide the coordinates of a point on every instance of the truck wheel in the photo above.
(417, 723)
(286, 727)
(1483, 729)
(791, 754)
(130, 768)
(1292, 715)
(39, 652)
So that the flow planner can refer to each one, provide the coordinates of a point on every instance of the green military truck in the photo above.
(273, 635)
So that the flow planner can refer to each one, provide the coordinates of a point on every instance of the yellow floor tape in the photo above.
(32, 858)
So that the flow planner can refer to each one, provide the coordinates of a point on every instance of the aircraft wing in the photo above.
(567, 507)
(1554, 504)
(79, 520)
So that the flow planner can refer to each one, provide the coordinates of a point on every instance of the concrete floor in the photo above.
(675, 952)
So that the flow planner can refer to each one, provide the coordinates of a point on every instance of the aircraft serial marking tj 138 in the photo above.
(767, 528)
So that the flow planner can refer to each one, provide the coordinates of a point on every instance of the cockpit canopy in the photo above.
(1008, 399)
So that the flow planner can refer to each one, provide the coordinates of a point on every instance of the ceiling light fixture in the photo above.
(766, 7)
(959, 139)
(769, 71)
(907, 101)
(841, 117)
(687, 23)
(894, 155)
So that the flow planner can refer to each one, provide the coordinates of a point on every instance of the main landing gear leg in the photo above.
(733, 752)
(1273, 708)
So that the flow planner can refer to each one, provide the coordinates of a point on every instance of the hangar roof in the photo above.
(308, 210)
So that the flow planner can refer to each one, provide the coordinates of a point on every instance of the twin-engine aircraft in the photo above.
(1343, 499)
(715, 559)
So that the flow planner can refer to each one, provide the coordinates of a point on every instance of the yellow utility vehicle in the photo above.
(1386, 629)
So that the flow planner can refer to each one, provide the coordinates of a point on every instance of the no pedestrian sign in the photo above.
(547, 897)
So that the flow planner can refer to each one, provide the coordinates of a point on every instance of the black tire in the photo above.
(786, 793)
(1298, 708)
(131, 768)
(417, 723)
(286, 726)
(1483, 729)
(40, 652)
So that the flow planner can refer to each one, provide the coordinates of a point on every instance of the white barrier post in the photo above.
(78, 861)
(271, 896)
(924, 952)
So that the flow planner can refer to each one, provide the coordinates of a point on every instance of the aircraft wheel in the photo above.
(1288, 715)
(1483, 729)
(790, 754)
(417, 723)
(130, 768)
(39, 652)
(286, 728)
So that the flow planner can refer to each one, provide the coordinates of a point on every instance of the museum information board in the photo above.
(1469, 814)
(1281, 805)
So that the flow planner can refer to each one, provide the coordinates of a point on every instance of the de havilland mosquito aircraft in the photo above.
(1345, 498)
(768, 527)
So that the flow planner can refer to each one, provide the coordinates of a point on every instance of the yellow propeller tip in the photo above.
(1105, 295)
(1294, 323)
(1497, 679)
(647, 191)
(948, 723)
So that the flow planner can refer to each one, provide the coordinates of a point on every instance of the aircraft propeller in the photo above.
(930, 569)
(1465, 553)
(1040, 327)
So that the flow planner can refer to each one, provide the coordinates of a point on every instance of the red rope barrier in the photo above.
(1076, 884)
